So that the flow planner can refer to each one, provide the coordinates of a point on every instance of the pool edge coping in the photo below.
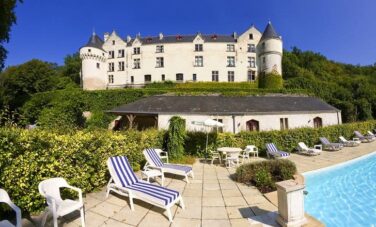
(339, 164)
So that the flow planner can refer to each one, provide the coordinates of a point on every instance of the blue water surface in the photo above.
(344, 195)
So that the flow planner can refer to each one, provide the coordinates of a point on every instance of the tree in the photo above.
(72, 67)
(7, 19)
(18, 83)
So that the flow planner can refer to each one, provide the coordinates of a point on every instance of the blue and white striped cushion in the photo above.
(163, 195)
(324, 140)
(123, 170)
(129, 180)
(186, 169)
(154, 157)
(358, 134)
(272, 149)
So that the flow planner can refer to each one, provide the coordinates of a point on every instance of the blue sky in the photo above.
(342, 30)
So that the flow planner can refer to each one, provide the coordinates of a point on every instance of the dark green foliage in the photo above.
(176, 137)
(349, 88)
(7, 19)
(19, 83)
(271, 81)
(72, 67)
(265, 174)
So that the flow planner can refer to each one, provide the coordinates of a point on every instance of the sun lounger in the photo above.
(4, 198)
(273, 152)
(153, 161)
(327, 145)
(124, 182)
(364, 139)
(304, 149)
(349, 143)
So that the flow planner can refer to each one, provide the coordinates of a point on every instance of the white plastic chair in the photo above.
(215, 155)
(231, 159)
(250, 149)
(162, 154)
(50, 189)
(4, 198)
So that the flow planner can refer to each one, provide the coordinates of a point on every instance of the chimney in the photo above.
(106, 35)
(160, 36)
(129, 38)
(235, 35)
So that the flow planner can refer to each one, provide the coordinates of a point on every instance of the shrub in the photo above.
(265, 174)
(29, 156)
(271, 81)
(176, 137)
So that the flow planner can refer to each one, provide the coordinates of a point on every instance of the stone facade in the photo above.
(117, 62)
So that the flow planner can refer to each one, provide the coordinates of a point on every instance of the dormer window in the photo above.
(214, 37)
(251, 36)
(148, 40)
(136, 50)
(179, 37)
(199, 47)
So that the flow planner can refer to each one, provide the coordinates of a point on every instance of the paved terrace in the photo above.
(211, 199)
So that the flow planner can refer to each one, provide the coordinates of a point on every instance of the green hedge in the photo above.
(28, 157)
(271, 81)
(265, 174)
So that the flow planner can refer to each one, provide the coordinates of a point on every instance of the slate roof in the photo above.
(270, 32)
(185, 39)
(224, 105)
(95, 42)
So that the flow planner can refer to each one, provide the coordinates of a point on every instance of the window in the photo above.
(263, 45)
(89, 50)
(251, 62)
(163, 77)
(194, 77)
(215, 76)
(198, 47)
(136, 63)
(147, 78)
(230, 61)
(160, 62)
(121, 53)
(98, 65)
(230, 47)
(253, 125)
(179, 77)
(113, 42)
(199, 61)
(110, 79)
(284, 122)
(263, 60)
(251, 48)
(111, 67)
(231, 76)
(136, 50)
(251, 36)
(111, 54)
(159, 49)
(251, 76)
(121, 66)
(132, 79)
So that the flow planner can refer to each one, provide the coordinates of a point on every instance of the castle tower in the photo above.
(93, 70)
(271, 50)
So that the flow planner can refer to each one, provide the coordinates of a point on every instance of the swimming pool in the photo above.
(343, 195)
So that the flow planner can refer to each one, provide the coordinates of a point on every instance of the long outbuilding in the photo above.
(244, 113)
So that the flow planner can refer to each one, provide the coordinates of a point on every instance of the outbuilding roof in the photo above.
(225, 105)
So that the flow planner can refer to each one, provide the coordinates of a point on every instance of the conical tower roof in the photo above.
(270, 33)
(95, 42)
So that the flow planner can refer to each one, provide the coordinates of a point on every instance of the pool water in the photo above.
(344, 195)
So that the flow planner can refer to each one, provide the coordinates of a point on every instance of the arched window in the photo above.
(317, 122)
(253, 125)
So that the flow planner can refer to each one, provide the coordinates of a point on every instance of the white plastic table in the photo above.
(232, 154)
(152, 173)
